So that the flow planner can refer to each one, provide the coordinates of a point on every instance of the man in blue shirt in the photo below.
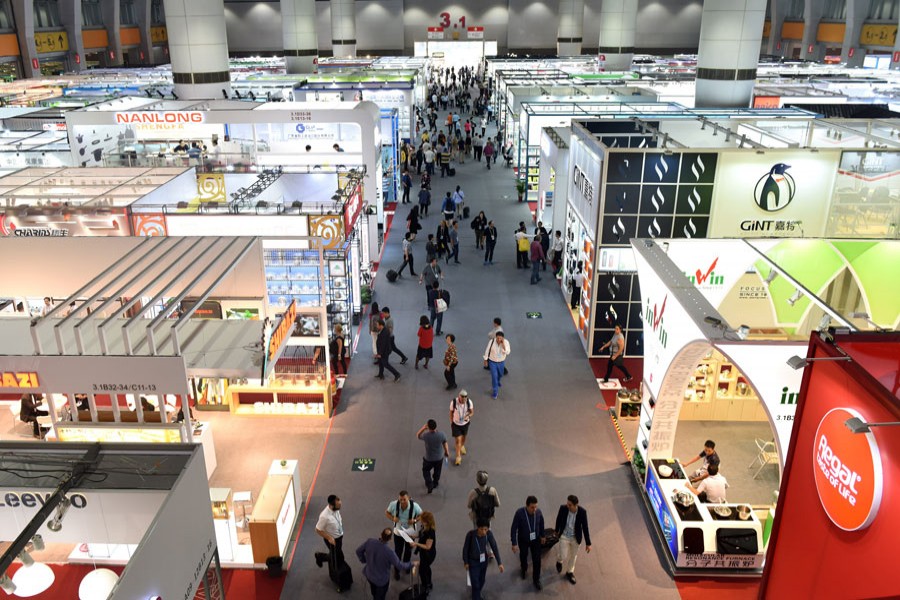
(479, 542)
(527, 532)
(378, 559)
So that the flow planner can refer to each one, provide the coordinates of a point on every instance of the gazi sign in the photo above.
(847, 470)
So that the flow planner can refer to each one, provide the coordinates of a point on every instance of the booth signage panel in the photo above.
(81, 224)
(154, 118)
(100, 374)
(777, 385)
(582, 193)
(107, 517)
(281, 333)
(661, 512)
(228, 225)
(848, 472)
(667, 326)
(776, 194)
(713, 266)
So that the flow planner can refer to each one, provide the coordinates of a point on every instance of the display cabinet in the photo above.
(717, 390)
(293, 274)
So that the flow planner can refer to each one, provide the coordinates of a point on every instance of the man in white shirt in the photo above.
(712, 489)
(429, 161)
(459, 200)
(403, 513)
(330, 527)
(556, 249)
(494, 358)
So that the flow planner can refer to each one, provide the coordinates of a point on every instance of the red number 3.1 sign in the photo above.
(445, 21)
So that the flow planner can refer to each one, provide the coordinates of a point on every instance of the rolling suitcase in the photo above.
(340, 574)
(416, 591)
(392, 275)
(466, 212)
(451, 172)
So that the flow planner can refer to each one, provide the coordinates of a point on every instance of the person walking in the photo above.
(461, 411)
(479, 545)
(408, 258)
(489, 153)
(571, 527)
(526, 535)
(430, 249)
(447, 207)
(436, 450)
(450, 362)
(556, 252)
(479, 224)
(406, 182)
(384, 352)
(426, 341)
(428, 155)
(483, 500)
(522, 246)
(330, 527)
(412, 222)
(483, 124)
(404, 514)
(389, 325)
(494, 358)
(374, 318)
(490, 240)
(445, 160)
(616, 345)
(424, 199)
(442, 237)
(537, 258)
(337, 347)
(431, 275)
(454, 244)
(378, 560)
(545, 243)
(478, 147)
(426, 546)
(437, 313)
(577, 280)
(459, 201)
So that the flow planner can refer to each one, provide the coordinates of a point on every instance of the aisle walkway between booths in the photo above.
(548, 434)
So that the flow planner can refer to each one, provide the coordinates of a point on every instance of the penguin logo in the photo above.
(775, 189)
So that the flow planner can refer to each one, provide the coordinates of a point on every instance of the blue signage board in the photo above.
(661, 510)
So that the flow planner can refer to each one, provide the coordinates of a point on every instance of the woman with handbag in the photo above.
(438, 305)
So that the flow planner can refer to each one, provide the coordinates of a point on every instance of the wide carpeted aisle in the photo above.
(543, 436)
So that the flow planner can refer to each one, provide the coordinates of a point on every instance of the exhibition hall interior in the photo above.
(266, 265)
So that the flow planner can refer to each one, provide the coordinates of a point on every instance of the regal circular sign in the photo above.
(847, 470)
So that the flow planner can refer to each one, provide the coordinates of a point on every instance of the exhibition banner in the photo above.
(714, 267)
(773, 194)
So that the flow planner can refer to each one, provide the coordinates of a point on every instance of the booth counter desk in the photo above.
(275, 511)
(703, 535)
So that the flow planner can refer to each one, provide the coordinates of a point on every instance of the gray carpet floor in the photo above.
(543, 436)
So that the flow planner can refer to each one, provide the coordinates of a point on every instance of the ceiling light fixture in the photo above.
(796, 296)
(797, 362)
(857, 425)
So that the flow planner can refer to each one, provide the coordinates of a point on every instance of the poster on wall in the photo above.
(773, 194)
(866, 195)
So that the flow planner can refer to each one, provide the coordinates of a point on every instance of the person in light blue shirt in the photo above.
(404, 514)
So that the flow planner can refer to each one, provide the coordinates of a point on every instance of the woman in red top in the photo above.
(426, 341)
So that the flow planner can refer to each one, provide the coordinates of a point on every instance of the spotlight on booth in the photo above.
(97, 584)
(7, 585)
(55, 524)
(797, 362)
(865, 317)
(26, 558)
(743, 331)
(793, 299)
(771, 276)
(857, 425)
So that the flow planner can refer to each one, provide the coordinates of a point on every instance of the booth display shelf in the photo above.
(628, 410)
(283, 397)
(718, 391)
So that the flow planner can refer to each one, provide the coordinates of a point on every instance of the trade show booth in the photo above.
(146, 504)
(722, 345)
(841, 475)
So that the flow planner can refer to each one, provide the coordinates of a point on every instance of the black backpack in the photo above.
(483, 505)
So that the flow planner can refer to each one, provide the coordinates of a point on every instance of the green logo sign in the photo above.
(363, 464)
(534, 315)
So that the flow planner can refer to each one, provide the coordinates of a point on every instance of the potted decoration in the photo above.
(521, 188)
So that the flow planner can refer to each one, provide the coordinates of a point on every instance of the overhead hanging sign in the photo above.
(847, 470)
(475, 33)
(282, 332)
(51, 41)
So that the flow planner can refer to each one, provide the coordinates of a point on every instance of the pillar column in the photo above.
(618, 22)
(730, 38)
(812, 15)
(198, 48)
(71, 19)
(143, 8)
(775, 45)
(857, 11)
(343, 28)
(23, 16)
(112, 18)
(571, 26)
(895, 64)
(298, 26)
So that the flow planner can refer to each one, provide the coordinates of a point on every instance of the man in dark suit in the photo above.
(383, 345)
(527, 533)
(571, 527)
(29, 412)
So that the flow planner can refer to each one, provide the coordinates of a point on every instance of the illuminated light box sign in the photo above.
(847, 470)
